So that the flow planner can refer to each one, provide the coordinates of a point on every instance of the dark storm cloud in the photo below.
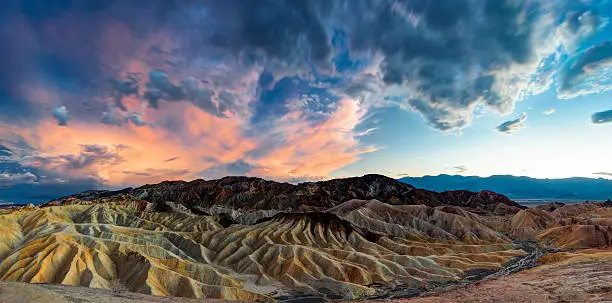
(444, 57)
(449, 54)
(124, 88)
(602, 117)
(512, 126)
(287, 31)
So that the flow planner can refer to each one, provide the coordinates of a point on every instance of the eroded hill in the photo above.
(269, 242)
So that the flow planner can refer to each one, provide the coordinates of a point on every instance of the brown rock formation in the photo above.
(247, 193)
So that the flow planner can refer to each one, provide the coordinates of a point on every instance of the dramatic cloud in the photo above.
(269, 88)
(294, 148)
(513, 126)
(443, 60)
(602, 117)
(61, 114)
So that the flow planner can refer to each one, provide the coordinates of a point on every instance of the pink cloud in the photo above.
(315, 149)
(204, 140)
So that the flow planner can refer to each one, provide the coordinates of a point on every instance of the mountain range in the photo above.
(250, 239)
(516, 187)
(249, 193)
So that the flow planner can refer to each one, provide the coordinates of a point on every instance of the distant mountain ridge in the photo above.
(249, 193)
(519, 187)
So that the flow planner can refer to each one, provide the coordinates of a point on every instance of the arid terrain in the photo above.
(369, 238)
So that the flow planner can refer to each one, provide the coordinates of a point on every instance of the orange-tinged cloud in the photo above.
(307, 149)
(205, 137)
(315, 150)
(204, 140)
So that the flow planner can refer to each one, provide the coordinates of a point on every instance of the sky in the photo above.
(107, 94)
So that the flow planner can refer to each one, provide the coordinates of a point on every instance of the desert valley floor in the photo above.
(369, 238)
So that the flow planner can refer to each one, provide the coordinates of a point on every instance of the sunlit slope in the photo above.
(96, 245)
(180, 254)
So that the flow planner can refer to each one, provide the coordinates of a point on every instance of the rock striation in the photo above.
(335, 254)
